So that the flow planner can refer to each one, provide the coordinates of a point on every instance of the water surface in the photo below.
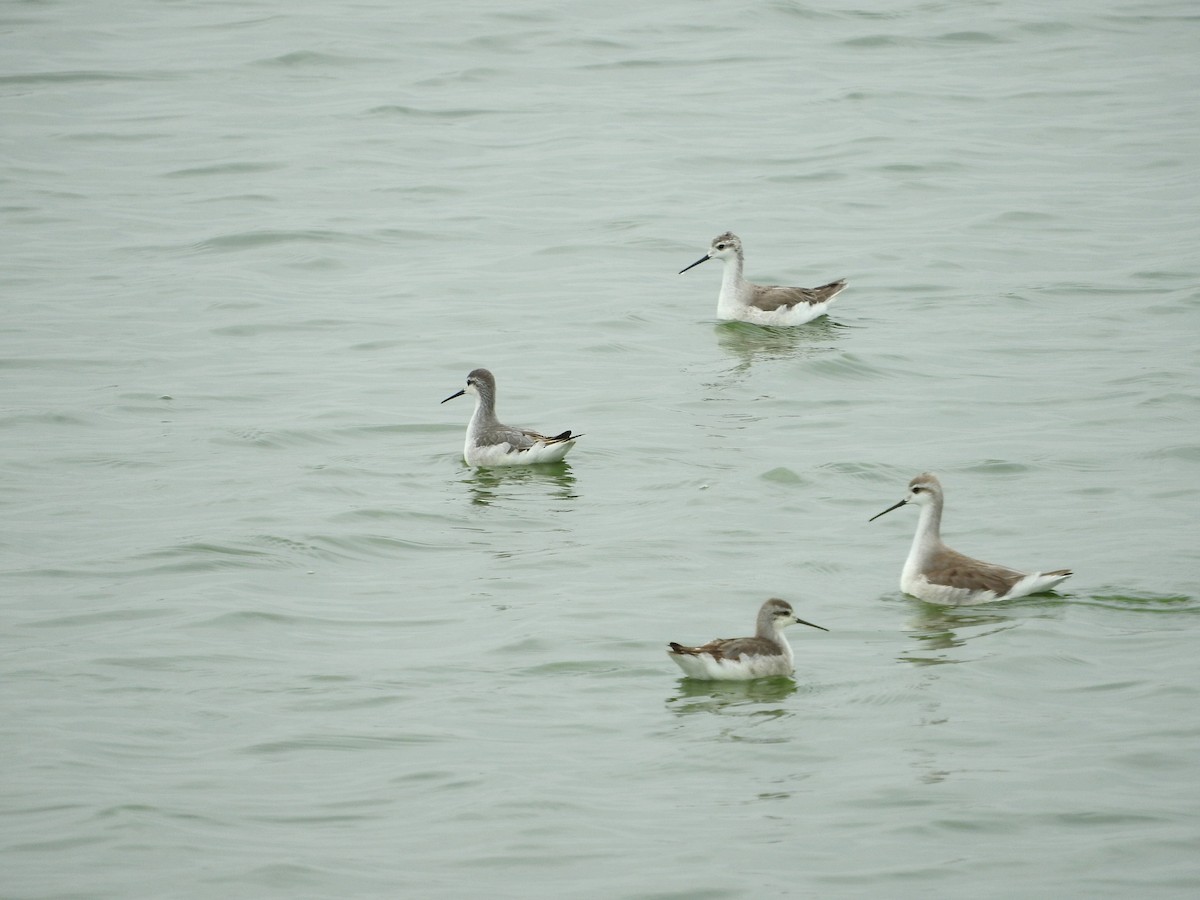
(265, 635)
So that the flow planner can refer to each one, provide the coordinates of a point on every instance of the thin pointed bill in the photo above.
(800, 621)
(463, 391)
(888, 510)
(704, 258)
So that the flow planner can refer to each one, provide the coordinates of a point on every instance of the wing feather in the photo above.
(769, 298)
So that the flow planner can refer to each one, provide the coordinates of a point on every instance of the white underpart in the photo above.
(504, 455)
(943, 594)
(784, 315)
(733, 303)
(744, 668)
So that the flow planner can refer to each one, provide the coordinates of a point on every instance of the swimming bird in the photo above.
(763, 304)
(490, 443)
(936, 574)
(740, 659)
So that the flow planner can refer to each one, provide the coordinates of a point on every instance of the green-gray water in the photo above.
(264, 634)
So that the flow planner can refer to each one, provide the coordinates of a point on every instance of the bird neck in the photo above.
(781, 642)
(485, 411)
(733, 287)
(732, 277)
(929, 531)
(770, 629)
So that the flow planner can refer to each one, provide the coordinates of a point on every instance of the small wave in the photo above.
(230, 168)
(300, 58)
(80, 76)
(396, 109)
(249, 240)
(1146, 602)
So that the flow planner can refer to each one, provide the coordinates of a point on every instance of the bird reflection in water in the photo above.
(489, 485)
(748, 343)
(741, 698)
(941, 630)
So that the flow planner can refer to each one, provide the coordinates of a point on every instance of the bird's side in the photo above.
(957, 580)
(937, 574)
(766, 654)
(489, 442)
(515, 447)
(744, 301)
(733, 659)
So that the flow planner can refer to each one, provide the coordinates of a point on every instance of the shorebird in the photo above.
(490, 443)
(763, 304)
(936, 574)
(740, 659)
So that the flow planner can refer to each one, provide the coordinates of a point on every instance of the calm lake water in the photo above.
(265, 635)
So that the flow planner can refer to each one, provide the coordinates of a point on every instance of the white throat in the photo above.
(730, 299)
(782, 640)
(926, 541)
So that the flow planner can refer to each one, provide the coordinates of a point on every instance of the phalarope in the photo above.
(490, 443)
(740, 659)
(758, 303)
(936, 574)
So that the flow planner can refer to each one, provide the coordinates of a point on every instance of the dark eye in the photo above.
(720, 246)
(918, 490)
